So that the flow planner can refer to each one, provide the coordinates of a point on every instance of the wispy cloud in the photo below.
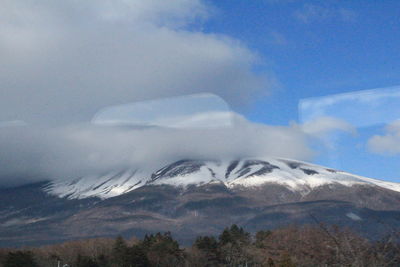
(310, 13)
(382, 106)
(199, 110)
(277, 38)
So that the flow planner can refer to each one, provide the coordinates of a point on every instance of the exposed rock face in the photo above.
(192, 197)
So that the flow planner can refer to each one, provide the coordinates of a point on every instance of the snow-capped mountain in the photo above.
(297, 176)
(197, 197)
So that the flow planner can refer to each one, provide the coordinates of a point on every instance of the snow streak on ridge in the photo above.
(295, 175)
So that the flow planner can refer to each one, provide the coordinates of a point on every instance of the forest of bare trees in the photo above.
(290, 246)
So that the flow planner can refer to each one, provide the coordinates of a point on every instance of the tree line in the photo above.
(319, 245)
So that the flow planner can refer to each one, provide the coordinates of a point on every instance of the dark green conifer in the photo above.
(19, 259)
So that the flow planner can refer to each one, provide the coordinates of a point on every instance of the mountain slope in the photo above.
(295, 175)
(194, 197)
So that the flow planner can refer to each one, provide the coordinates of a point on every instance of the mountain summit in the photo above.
(197, 197)
(294, 175)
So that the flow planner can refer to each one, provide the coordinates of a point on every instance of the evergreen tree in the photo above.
(19, 259)
(260, 237)
(120, 252)
(208, 246)
(206, 243)
(137, 256)
(102, 260)
(85, 261)
(234, 235)
(232, 244)
(162, 250)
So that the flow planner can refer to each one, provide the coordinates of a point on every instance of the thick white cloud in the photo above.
(388, 144)
(34, 154)
(61, 61)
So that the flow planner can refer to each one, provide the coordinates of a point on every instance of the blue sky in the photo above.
(327, 54)
(320, 48)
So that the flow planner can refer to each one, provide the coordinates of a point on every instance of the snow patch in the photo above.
(353, 216)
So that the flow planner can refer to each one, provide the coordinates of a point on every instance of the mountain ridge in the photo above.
(295, 175)
(196, 197)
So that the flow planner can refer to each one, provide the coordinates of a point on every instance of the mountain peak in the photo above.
(252, 172)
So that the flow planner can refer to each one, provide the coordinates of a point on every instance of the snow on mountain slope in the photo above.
(103, 186)
(295, 175)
